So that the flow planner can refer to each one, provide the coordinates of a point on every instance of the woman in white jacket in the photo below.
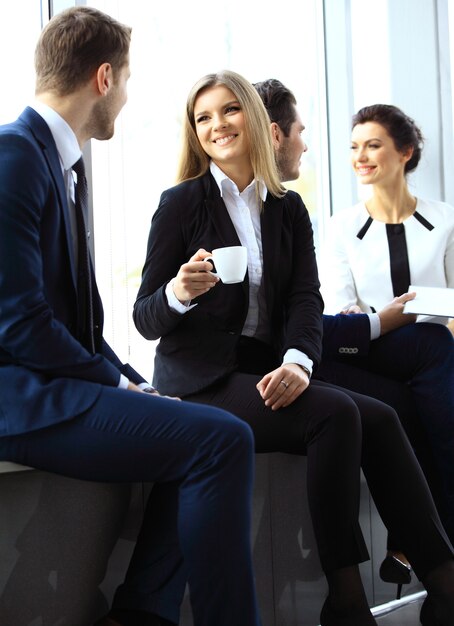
(377, 248)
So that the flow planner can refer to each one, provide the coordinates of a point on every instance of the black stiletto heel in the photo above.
(393, 570)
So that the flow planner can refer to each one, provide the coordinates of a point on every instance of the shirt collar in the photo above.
(67, 145)
(224, 182)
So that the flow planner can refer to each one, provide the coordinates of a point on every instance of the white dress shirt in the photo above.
(244, 211)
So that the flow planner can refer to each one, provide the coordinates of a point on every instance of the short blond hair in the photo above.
(194, 161)
(74, 44)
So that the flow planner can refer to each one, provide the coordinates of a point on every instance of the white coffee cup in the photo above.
(230, 263)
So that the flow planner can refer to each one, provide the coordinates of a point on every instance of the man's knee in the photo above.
(433, 338)
(223, 428)
(235, 429)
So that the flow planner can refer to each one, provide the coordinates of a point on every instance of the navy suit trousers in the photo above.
(201, 461)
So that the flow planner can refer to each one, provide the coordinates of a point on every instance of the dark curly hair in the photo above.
(400, 127)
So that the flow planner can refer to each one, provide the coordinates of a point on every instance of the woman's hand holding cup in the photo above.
(194, 278)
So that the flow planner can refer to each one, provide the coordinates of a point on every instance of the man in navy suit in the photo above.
(384, 355)
(67, 404)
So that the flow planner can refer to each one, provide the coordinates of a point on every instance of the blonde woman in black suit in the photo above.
(251, 347)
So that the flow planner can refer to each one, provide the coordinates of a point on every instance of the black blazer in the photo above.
(200, 346)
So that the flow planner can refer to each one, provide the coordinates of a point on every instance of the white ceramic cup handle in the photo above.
(210, 258)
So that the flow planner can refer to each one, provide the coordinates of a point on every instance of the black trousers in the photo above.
(412, 370)
(340, 431)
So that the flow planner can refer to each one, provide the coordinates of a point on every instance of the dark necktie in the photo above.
(84, 278)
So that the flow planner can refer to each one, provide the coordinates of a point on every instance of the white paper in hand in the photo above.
(435, 301)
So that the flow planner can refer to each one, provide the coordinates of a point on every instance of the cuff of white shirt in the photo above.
(124, 382)
(173, 301)
(296, 356)
(146, 386)
(375, 326)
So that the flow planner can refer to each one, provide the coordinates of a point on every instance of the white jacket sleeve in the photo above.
(337, 282)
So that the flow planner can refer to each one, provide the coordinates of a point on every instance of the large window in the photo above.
(20, 25)
(394, 52)
(451, 59)
(173, 45)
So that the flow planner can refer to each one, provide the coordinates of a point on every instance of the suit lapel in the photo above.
(218, 213)
(271, 226)
(44, 137)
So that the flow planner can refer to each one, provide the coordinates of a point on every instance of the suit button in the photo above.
(341, 350)
(355, 350)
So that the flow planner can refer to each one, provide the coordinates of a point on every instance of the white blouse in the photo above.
(355, 265)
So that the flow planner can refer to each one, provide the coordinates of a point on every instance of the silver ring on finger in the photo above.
(282, 382)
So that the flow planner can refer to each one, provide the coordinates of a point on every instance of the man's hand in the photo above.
(155, 392)
(283, 385)
(392, 315)
(194, 278)
(133, 387)
(354, 308)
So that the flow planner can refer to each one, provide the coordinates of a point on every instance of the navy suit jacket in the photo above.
(346, 335)
(46, 375)
(200, 346)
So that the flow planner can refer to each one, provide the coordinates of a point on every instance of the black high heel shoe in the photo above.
(393, 570)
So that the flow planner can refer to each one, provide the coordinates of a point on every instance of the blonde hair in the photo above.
(194, 161)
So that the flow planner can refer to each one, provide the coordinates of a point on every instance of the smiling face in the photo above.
(221, 129)
(374, 156)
